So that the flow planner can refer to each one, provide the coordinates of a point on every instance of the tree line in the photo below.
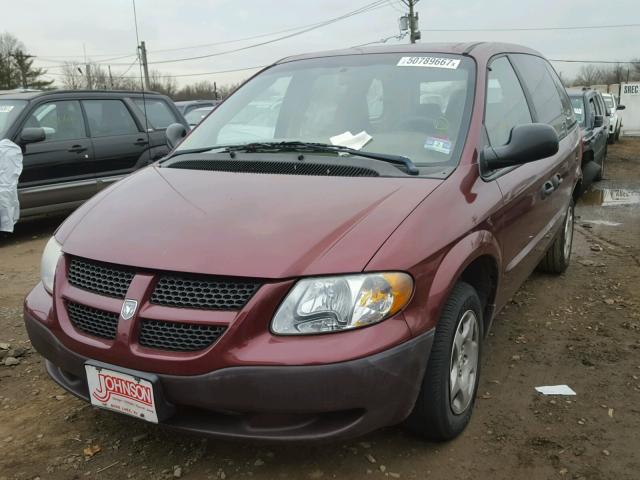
(17, 71)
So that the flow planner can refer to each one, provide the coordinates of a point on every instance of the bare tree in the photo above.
(589, 75)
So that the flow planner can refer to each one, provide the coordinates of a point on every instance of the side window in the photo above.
(567, 108)
(60, 120)
(596, 105)
(600, 101)
(593, 111)
(108, 118)
(543, 91)
(506, 105)
(158, 112)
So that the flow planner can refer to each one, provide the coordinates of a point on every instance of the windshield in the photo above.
(578, 109)
(9, 111)
(417, 107)
(608, 101)
(195, 116)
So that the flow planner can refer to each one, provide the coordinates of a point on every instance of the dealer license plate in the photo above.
(121, 393)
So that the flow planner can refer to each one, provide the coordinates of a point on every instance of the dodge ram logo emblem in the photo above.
(128, 309)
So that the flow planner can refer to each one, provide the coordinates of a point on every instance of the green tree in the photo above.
(16, 66)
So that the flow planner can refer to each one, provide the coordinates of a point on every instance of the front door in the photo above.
(58, 171)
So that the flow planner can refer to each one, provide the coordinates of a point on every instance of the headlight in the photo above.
(331, 304)
(50, 256)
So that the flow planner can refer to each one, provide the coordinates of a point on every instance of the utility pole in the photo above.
(145, 66)
(410, 21)
(215, 91)
(87, 68)
(110, 77)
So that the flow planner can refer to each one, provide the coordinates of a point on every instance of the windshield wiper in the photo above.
(322, 147)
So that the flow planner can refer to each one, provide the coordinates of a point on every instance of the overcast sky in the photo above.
(57, 30)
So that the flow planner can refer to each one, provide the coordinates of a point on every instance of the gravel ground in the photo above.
(582, 329)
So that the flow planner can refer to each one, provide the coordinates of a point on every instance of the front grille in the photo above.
(202, 292)
(282, 168)
(178, 337)
(93, 321)
(100, 278)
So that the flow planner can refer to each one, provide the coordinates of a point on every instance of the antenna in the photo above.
(142, 85)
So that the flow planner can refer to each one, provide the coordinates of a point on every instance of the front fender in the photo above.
(425, 310)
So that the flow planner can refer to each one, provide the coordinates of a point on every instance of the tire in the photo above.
(557, 258)
(436, 416)
(617, 135)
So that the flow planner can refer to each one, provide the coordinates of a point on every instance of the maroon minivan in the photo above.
(324, 254)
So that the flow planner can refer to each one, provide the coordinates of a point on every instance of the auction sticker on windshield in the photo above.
(433, 62)
(122, 393)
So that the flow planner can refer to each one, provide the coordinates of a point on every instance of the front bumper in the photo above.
(273, 403)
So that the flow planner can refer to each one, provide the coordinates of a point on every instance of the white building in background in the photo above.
(630, 98)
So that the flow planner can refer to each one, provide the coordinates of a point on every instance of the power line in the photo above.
(523, 29)
(303, 29)
(58, 74)
(363, 9)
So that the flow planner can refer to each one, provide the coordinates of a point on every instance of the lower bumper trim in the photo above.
(273, 403)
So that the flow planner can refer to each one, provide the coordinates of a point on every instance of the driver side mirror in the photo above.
(32, 135)
(620, 107)
(598, 121)
(527, 143)
(175, 133)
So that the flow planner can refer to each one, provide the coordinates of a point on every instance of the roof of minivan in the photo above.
(473, 49)
(30, 94)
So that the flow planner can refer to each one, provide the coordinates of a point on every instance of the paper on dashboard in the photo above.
(347, 139)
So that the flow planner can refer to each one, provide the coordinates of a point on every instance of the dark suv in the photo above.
(75, 143)
(593, 117)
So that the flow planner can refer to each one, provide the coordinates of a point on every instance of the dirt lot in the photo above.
(582, 329)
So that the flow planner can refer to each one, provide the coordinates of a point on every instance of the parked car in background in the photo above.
(188, 105)
(589, 108)
(195, 116)
(75, 143)
(615, 120)
(287, 287)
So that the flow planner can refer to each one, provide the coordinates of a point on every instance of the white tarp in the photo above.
(10, 169)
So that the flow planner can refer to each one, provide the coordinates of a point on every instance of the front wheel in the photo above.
(557, 258)
(448, 390)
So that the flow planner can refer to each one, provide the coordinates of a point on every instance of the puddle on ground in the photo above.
(608, 197)
(605, 223)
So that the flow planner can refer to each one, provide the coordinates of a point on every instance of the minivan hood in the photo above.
(236, 224)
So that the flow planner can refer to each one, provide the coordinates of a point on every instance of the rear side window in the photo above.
(506, 105)
(60, 120)
(567, 109)
(543, 91)
(109, 118)
(158, 112)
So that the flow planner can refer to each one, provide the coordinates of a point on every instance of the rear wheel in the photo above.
(448, 390)
(557, 258)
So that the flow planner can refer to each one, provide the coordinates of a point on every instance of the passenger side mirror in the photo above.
(32, 135)
(175, 133)
(620, 107)
(527, 143)
(598, 121)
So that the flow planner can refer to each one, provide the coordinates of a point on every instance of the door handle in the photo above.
(141, 141)
(77, 149)
(548, 188)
